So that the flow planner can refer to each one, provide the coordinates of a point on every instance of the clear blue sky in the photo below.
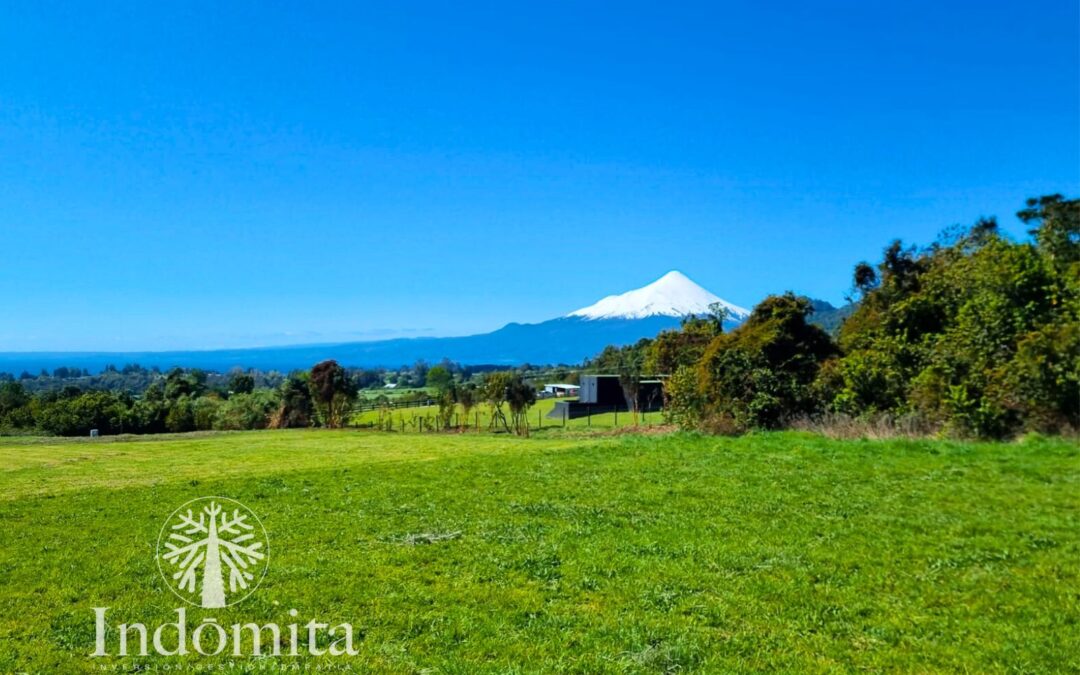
(228, 174)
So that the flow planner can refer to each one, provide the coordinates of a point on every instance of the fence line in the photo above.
(533, 420)
(392, 405)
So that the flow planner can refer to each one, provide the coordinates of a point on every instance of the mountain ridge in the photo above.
(570, 339)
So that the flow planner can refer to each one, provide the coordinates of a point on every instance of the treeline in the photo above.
(135, 379)
(186, 400)
(500, 390)
(179, 401)
(131, 378)
(974, 335)
(194, 400)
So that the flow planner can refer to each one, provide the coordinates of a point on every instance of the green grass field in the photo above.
(483, 553)
(481, 415)
(392, 394)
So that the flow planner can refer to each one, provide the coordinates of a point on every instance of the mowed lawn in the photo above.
(480, 553)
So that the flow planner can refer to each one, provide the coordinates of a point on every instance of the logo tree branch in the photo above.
(211, 548)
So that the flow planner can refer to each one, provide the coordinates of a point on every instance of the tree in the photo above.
(368, 379)
(496, 385)
(684, 403)
(520, 395)
(675, 349)
(246, 411)
(77, 415)
(12, 396)
(181, 415)
(241, 383)
(15, 409)
(418, 373)
(179, 383)
(718, 313)
(466, 397)
(332, 392)
(629, 371)
(1056, 228)
(204, 411)
(865, 278)
(612, 357)
(440, 379)
(447, 401)
(296, 410)
(760, 375)
(1043, 379)
(975, 334)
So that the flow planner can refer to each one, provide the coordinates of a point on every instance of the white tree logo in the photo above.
(202, 543)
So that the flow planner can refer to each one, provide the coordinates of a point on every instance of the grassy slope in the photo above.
(594, 554)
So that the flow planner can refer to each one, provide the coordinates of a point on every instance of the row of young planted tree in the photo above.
(501, 390)
(182, 401)
(975, 335)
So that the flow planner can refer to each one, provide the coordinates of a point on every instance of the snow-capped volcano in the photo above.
(671, 295)
(616, 320)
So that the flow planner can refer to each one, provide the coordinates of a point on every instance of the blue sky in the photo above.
(195, 175)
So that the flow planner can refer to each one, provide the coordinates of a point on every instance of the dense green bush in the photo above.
(177, 402)
(976, 335)
(296, 410)
(77, 415)
(246, 411)
(761, 374)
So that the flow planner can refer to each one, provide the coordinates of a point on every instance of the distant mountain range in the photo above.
(617, 319)
(829, 317)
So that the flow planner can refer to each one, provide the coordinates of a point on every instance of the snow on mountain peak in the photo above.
(671, 295)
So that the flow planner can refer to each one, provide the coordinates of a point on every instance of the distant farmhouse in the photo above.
(604, 393)
(559, 390)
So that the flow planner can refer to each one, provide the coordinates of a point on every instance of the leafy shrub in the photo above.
(760, 375)
(685, 402)
(976, 334)
(246, 411)
(77, 415)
